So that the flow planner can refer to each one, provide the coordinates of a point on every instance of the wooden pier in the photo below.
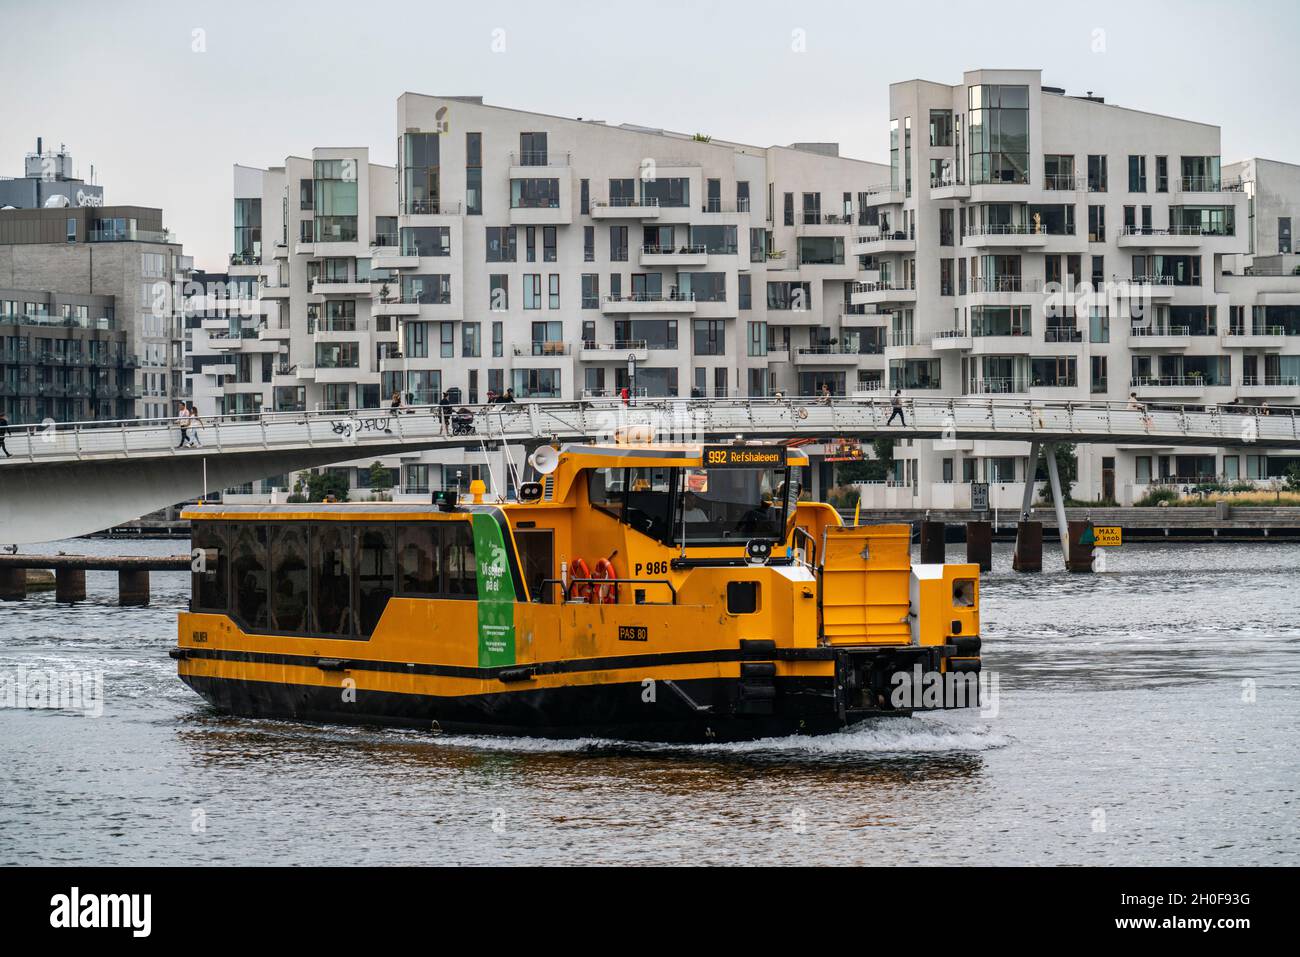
(70, 574)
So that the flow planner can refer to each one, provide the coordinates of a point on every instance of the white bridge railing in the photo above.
(955, 418)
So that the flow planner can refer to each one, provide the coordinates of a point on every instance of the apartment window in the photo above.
(713, 196)
(1098, 272)
(420, 172)
(618, 244)
(474, 174)
(710, 338)
(941, 127)
(622, 192)
(666, 191)
(417, 340)
(553, 291)
(498, 292)
(744, 294)
(548, 244)
(1137, 174)
(470, 345)
(72, 230)
(757, 245)
(1162, 174)
(425, 241)
(501, 244)
(1099, 383)
(615, 285)
(532, 290)
(1096, 174)
(945, 277)
(703, 286)
(532, 149)
(248, 229)
(742, 196)
(498, 348)
(590, 290)
(535, 193)
(789, 209)
(305, 195)
(589, 244)
(584, 197)
(430, 289)
(1283, 234)
(907, 153)
(812, 208)
(447, 340)
(1096, 224)
(945, 227)
(893, 155)
(757, 339)
(998, 134)
(530, 243)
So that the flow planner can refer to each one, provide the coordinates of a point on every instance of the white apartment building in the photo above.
(515, 250)
(562, 258)
(1005, 197)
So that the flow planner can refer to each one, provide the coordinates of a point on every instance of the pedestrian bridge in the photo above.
(73, 478)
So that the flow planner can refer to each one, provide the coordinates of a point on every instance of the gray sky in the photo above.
(122, 85)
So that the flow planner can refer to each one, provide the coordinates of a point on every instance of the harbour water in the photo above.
(1148, 715)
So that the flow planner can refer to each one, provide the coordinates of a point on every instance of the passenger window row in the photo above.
(329, 579)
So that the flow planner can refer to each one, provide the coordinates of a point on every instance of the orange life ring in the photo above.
(607, 593)
(579, 570)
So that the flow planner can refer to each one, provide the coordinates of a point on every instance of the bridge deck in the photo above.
(377, 431)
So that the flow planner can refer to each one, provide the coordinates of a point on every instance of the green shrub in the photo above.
(1157, 496)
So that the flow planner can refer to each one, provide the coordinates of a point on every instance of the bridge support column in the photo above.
(132, 586)
(1058, 502)
(1027, 502)
(932, 542)
(13, 584)
(1029, 547)
(1079, 556)
(69, 585)
(979, 545)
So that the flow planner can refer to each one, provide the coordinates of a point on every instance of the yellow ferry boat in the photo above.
(654, 592)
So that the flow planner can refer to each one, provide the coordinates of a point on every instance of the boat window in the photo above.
(248, 566)
(211, 567)
(648, 501)
(605, 489)
(290, 578)
(732, 505)
(458, 560)
(417, 559)
(374, 575)
(332, 579)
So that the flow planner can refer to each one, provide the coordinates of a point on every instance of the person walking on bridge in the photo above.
(195, 423)
(183, 420)
(4, 430)
(897, 403)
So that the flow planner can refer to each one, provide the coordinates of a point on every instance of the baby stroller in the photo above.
(462, 422)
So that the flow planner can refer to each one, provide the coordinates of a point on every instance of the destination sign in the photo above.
(743, 456)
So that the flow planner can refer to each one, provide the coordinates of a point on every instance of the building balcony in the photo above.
(1008, 236)
(1255, 337)
(997, 344)
(617, 351)
(678, 303)
(868, 243)
(1002, 290)
(674, 256)
(1268, 387)
(321, 287)
(1159, 337)
(1151, 287)
(625, 209)
(1175, 237)
(948, 189)
(952, 340)
(999, 385)
(1204, 188)
(830, 224)
(884, 194)
(390, 257)
(826, 356)
(881, 293)
(542, 355)
(276, 292)
(863, 317)
(396, 307)
(1175, 387)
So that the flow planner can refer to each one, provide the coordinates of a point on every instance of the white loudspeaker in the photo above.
(545, 460)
